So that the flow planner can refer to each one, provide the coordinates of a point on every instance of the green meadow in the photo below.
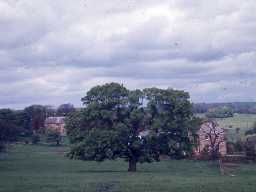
(27, 168)
(237, 125)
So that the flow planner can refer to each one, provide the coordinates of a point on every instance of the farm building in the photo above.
(211, 137)
(56, 124)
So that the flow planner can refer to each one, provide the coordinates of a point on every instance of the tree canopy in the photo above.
(34, 117)
(8, 127)
(65, 109)
(53, 136)
(137, 125)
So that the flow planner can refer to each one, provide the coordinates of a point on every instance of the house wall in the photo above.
(203, 141)
(57, 127)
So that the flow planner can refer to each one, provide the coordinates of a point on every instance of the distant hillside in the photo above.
(238, 107)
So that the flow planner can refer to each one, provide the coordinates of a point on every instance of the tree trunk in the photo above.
(222, 171)
(132, 165)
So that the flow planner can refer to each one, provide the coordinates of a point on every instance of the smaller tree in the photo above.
(212, 136)
(65, 109)
(250, 144)
(53, 137)
(35, 138)
(8, 127)
(251, 131)
(35, 116)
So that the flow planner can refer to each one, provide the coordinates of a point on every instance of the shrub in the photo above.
(35, 139)
(251, 131)
(230, 147)
(53, 137)
(2, 147)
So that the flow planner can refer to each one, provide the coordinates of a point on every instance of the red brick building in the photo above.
(211, 136)
(56, 124)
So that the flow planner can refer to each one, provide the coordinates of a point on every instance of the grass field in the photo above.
(242, 121)
(45, 169)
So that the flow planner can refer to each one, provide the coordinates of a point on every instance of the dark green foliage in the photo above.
(53, 137)
(65, 109)
(34, 118)
(35, 138)
(2, 146)
(74, 124)
(251, 131)
(8, 127)
(220, 112)
(239, 146)
(110, 125)
(237, 107)
(23, 121)
(231, 147)
(250, 147)
(171, 119)
(250, 151)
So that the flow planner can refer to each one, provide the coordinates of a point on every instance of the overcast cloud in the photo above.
(52, 52)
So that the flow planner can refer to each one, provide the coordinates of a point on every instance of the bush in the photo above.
(239, 146)
(250, 151)
(35, 139)
(230, 147)
(233, 147)
(251, 131)
(2, 147)
(53, 137)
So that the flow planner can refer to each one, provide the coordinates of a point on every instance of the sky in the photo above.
(52, 52)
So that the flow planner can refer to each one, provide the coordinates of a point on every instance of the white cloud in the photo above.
(53, 51)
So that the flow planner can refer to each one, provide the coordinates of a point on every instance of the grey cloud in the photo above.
(55, 53)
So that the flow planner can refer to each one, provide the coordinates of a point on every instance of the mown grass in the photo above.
(45, 169)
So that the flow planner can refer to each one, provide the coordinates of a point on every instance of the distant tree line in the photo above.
(8, 127)
(237, 107)
(220, 112)
(28, 123)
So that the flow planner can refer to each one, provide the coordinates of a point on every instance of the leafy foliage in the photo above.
(35, 117)
(251, 131)
(65, 109)
(8, 127)
(53, 136)
(114, 118)
(35, 138)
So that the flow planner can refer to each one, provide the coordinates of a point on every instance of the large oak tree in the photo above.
(135, 125)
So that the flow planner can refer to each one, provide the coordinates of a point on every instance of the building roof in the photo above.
(55, 120)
